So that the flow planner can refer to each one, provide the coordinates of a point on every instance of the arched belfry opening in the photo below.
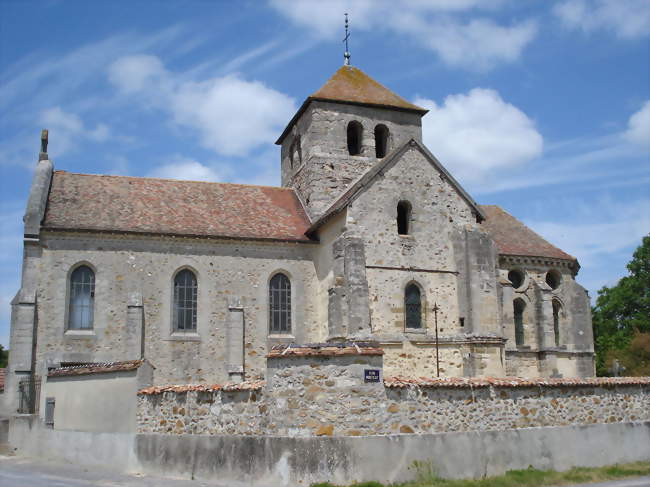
(403, 217)
(355, 136)
(381, 141)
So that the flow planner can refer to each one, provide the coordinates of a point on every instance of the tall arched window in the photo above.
(557, 307)
(381, 141)
(82, 298)
(519, 307)
(403, 217)
(355, 136)
(185, 301)
(413, 306)
(280, 304)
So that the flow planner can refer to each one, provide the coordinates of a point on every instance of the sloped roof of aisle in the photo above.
(514, 238)
(87, 202)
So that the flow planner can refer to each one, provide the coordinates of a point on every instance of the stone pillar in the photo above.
(235, 341)
(349, 303)
(135, 331)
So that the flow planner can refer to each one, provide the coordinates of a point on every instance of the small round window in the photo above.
(516, 277)
(553, 279)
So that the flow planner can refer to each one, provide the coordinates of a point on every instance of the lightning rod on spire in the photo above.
(346, 55)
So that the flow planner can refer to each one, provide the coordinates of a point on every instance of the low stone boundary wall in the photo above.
(321, 398)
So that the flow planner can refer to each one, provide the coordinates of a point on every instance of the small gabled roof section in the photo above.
(514, 238)
(353, 86)
(357, 188)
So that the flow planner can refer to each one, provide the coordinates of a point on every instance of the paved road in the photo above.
(638, 482)
(27, 472)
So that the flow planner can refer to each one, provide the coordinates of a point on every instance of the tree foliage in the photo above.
(621, 319)
(4, 357)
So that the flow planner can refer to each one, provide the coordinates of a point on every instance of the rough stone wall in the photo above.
(320, 396)
(443, 234)
(230, 275)
(573, 356)
(458, 357)
(326, 168)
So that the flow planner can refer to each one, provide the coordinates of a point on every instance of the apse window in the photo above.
(519, 307)
(516, 277)
(403, 217)
(553, 279)
(355, 134)
(557, 308)
(381, 141)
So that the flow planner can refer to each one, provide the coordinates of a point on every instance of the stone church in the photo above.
(369, 238)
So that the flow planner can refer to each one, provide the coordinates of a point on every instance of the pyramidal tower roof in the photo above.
(351, 85)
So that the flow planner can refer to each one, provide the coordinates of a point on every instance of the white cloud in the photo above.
(137, 73)
(638, 130)
(478, 44)
(478, 132)
(66, 130)
(233, 116)
(186, 169)
(627, 19)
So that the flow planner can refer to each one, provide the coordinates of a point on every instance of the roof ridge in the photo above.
(61, 171)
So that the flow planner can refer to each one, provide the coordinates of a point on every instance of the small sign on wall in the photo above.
(371, 375)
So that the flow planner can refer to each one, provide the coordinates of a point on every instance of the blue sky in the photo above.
(540, 107)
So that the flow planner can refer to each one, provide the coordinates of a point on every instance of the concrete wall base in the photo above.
(31, 438)
(283, 461)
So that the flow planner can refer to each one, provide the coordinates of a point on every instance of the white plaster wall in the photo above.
(93, 403)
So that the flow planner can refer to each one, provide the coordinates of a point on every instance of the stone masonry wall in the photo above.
(327, 396)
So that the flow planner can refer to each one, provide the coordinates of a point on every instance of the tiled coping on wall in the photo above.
(321, 401)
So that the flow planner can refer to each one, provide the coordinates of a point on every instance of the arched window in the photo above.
(519, 307)
(82, 298)
(557, 308)
(295, 153)
(403, 217)
(553, 279)
(381, 141)
(355, 135)
(413, 306)
(185, 301)
(280, 304)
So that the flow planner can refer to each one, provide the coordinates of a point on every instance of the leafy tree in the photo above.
(621, 318)
(4, 357)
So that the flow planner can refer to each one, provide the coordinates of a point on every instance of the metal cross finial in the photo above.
(347, 36)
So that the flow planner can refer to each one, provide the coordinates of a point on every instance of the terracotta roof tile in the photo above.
(252, 385)
(3, 372)
(514, 238)
(95, 368)
(350, 84)
(325, 349)
(402, 382)
(85, 202)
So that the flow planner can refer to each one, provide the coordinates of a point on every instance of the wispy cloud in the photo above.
(477, 44)
(627, 19)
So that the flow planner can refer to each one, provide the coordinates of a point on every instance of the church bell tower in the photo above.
(340, 132)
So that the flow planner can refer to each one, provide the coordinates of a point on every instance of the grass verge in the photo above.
(529, 477)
